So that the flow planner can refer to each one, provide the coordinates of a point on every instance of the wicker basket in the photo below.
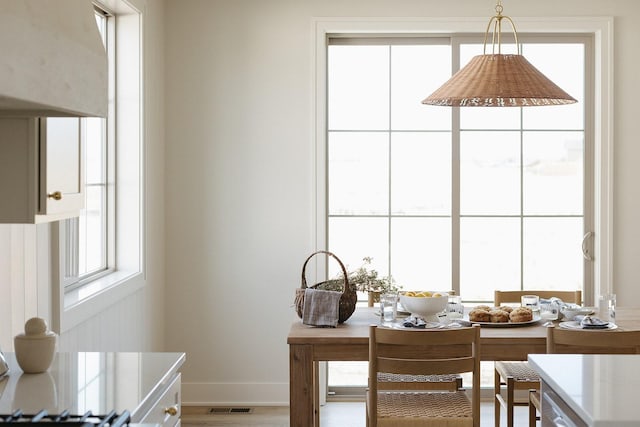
(347, 301)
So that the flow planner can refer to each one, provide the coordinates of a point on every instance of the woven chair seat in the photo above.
(400, 378)
(445, 409)
(448, 382)
(520, 371)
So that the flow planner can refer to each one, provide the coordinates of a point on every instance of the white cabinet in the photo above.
(166, 408)
(41, 169)
(556, 412)
(588, 389)
(148, 385)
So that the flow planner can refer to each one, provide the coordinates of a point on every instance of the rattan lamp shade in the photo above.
(498, 80)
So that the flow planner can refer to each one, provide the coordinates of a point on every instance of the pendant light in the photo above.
(497, 79)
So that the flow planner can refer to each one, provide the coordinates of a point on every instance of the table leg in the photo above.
(301, 386)
(316, 393)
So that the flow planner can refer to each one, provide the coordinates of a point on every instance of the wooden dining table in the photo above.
(350, 342)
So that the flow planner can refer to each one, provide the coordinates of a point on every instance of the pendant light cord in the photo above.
(496, 39)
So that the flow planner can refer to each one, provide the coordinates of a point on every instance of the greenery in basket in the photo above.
(362, 279)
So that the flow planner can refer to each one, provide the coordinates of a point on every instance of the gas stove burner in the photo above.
(65, 419)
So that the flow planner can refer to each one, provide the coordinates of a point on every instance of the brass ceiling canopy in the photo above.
(497, 79)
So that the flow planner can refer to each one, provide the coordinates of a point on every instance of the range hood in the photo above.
(52, 60)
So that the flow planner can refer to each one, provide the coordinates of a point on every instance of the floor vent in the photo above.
(230, 410)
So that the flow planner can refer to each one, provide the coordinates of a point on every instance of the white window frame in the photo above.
(600, 28)
(454, 42)
(75, 305)
(71, 228)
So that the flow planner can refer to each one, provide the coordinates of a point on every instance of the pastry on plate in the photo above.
(499, 316)
(521, 314)
(479, 315)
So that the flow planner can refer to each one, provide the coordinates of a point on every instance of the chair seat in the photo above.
(445, 409)
(401, 378)
(520, 371)
(388, 381)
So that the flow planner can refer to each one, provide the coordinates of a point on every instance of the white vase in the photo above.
(35, 348)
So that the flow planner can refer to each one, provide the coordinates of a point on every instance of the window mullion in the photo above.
(390, 133)
(521, 199)
(455, 178)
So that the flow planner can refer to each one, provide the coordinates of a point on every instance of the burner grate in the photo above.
(112, 419)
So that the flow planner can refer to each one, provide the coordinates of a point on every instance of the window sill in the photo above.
(84, 302)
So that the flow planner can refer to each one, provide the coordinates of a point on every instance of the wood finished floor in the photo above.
(334, 414)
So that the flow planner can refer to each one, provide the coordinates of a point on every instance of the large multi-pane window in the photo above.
(471, 199)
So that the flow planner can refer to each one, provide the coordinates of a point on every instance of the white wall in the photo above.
(240, 173)
(236, 188)
(136, 323)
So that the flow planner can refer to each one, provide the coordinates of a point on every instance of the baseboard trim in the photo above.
(235, 394)
(253, 394)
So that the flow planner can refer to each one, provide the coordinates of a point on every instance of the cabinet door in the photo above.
(166, 409)
(61, 165)
(555, 412)
(18, 170)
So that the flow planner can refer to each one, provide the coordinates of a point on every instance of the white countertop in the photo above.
(601, 389)
(97, 382)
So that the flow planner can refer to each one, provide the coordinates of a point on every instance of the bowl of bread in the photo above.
(502, 314)
(425, 304)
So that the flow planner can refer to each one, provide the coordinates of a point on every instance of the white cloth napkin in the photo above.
(588, 322)
(321, 308)
(414, 322)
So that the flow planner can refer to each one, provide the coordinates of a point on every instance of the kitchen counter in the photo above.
(97, 382)
(602, 390)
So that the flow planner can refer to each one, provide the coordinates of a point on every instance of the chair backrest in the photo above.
(583, 341)
(425, 352)
(506, 297)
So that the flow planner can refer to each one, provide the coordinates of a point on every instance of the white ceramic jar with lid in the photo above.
(35, 347)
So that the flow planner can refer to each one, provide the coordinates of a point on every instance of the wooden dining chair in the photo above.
(513, 297)
(423, 353)
(512, 377)
(592, 341)
(584, 341)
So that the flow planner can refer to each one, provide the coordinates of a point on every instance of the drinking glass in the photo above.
(549, 310)
(388, 307)
(607, 308)
(531, 301)
(455, 309)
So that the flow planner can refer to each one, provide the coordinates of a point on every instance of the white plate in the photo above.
(582, 311)
(536, 319)
(399, 313)
(399, 324)
(572, 324)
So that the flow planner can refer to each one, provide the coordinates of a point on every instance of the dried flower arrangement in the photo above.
(363, 279)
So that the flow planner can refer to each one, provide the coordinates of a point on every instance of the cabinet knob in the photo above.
(171, 410)
(56, 195)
